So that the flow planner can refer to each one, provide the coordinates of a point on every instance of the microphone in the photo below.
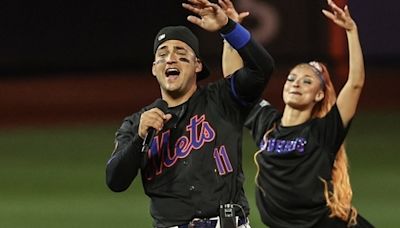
(163, 106)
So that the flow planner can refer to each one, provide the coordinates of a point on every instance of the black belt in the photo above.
(208, 223)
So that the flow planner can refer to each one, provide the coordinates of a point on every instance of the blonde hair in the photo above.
(265, 138)
(339, 199)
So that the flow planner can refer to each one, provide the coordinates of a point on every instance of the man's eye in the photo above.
(307, 81)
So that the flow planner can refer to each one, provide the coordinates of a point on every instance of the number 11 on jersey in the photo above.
(222, 160)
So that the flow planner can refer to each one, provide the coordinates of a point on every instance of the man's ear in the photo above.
(153, 68)
(199, 66)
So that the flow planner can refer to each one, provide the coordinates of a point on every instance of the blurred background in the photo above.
(70, 71)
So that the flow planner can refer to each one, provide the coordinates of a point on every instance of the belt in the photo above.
(209, 223)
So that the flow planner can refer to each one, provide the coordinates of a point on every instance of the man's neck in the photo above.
(174, 100)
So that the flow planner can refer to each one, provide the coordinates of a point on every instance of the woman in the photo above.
(302, 178)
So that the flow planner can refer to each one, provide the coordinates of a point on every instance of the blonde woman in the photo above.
(302, 178)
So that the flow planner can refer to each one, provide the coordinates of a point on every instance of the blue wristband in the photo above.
(238, 37)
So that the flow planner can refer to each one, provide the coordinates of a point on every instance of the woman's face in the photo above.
(303, 88)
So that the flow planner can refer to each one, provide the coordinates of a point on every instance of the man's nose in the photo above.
(171, 58)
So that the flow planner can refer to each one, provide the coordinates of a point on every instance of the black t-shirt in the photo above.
(291, 164)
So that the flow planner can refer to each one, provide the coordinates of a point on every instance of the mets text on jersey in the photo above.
(160, 156)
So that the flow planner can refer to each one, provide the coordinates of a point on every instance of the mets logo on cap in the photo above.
(160, 37)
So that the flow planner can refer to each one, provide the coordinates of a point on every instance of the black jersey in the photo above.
(291, 163)
(195, 167)
(194, 163)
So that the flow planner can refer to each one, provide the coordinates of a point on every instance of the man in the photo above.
(193, 165)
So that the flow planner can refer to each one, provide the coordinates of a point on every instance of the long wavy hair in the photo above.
(339, 199)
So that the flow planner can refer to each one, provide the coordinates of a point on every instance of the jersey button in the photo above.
(185, 163)
(199, 212)
(191, 188)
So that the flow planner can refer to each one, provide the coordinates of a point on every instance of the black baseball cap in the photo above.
(183, 34)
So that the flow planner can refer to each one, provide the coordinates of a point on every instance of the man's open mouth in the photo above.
(172, 72)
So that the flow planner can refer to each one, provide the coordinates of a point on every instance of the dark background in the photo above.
(91, 60)
(84, 36)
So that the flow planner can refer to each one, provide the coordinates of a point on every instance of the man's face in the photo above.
(175, 67)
